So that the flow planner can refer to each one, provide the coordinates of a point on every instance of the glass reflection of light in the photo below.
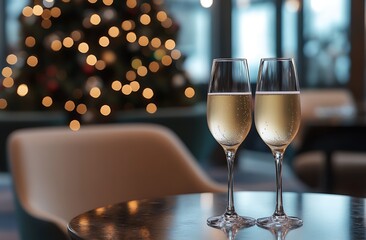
(206, 200)
(145, 233)
(133, 207)
(100, 211)
(84, 224)
(109, 229)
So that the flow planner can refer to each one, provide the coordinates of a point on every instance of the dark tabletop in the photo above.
(325, 217)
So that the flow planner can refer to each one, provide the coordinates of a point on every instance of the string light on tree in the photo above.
(95, 58)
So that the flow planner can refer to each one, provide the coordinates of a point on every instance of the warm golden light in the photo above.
(46, 15)
(143, 41)
(155, 42)
(100, 65)
(145, 8)
(176, 54)
(158, 54)
(131, 37)
(22, 90)
(56, 45)
(116, 85)
(3, 103)
(108, 2)
(109, 56)
(104, 41)
(131, 3)
(7, 72)
(83, 47)
(46, 24)
(74, 125)
(167, 23)
(128, 25)
(148, 93)
(47, 101)
(100, 211)
(55, 12)
(131, 75)
(81, 109)
(133, 207)
(151, 108)
(145, 19)
(92, 1)
(68, 42)
(154, 66)
(95, 92)
(69, 106)
(142, 71)
(91, 60)
(126, 89)
(27, 11)
(189, 92)
(30, 41)
(95, 19)
(161, 16)
(32, 61)
(145, 233)
(11, 59)
(113, 31)
(170, 44)
(76, 35)
(8, 82)
(37, 10)
(166, 60)
(135, 86)
(105, 110)
(136, 63)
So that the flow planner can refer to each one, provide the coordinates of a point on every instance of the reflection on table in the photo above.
(184, 217)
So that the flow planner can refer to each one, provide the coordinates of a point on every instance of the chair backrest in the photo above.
(59, 173)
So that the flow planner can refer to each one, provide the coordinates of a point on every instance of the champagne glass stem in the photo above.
(230, 157)
(278, 156)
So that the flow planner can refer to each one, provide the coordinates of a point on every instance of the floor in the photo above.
(254, 172)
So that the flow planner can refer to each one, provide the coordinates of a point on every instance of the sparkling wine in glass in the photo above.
(229, 118)
(277, 117)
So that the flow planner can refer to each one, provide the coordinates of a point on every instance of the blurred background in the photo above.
(75, 62)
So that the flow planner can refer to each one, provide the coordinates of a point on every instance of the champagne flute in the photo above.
(277, 117)
(229, 118)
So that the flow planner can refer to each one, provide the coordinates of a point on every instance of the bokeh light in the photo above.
(69, 106)
(3, 103)
(105, 110)
(74, 125)
(22, 90)
(47, 101)
(151, 108)
(189, 92)
(11, 59)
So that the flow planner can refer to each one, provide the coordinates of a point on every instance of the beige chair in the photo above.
(59, 173)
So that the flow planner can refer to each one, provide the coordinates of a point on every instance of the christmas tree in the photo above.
(93, 58)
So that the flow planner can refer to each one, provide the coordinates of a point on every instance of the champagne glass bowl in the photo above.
(229, 118)
(277, 117)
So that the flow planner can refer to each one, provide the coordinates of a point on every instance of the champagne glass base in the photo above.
(230, 221)
(277, 222)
